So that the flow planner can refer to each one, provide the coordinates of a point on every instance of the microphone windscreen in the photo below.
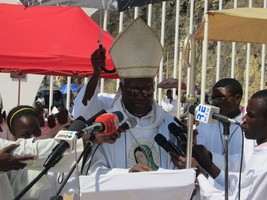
(77, 125)
(110, 122)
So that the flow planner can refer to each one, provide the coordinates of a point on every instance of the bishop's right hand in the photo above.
(98, 59)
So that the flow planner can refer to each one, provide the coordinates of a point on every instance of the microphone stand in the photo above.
(45, 170)
(226, 133)
(86, 149)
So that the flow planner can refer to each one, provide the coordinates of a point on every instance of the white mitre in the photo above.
(137, 52)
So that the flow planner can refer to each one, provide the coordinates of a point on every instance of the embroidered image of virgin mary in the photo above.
(143, 154)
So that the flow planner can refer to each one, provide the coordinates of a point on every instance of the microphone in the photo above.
(82, 128)
(208, 114)
(66, 140)
(177, 132)
(167, 145)
(129, 123)
(69, 135)
(106, 123)
(77, 125)
(81, 118)
(183, 126)
(91, 120)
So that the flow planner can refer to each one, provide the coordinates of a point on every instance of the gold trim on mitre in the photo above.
(138, 72)
(137, 52)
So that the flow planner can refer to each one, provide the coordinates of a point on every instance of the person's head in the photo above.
(255, 120)
(39, 104)
(137, 95)
(62, 116)
(169, 94)
(227, 95)
(51, 121)
(183, 99)
(23, 122)
(57, 95)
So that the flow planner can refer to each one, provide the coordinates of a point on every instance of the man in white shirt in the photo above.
(227, 95)
(253, 178)
(169, 104)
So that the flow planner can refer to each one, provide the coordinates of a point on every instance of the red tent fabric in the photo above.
(49, 40)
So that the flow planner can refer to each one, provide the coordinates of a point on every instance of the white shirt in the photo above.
(253, 180)
(168, 107)
(211, 136)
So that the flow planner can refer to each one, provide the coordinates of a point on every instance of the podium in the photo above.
(156, 185)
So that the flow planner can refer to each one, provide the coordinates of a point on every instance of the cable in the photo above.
(241, 165)
(77, 167)
(89, 164)
(88, 146)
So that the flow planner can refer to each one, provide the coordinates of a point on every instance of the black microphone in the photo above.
(66, 140)
(177, 132)
(92, 119)
(168, 146)
(177, 148)
(77, 125)
(81, 118)
(56, 154)
(183, 126)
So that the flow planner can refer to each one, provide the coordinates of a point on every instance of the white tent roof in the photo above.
(236, 25)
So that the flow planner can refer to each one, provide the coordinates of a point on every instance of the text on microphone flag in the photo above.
(67, 136)
(203, 113)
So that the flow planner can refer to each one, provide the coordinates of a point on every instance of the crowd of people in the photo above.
(134, 149)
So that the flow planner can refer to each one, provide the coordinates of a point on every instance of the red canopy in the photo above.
(49, 40)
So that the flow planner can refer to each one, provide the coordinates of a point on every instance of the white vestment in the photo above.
(253, 180)
(123, 153)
